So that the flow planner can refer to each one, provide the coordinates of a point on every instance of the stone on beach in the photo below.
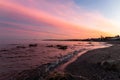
(111, 65)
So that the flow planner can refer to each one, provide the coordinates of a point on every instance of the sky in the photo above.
(59, 19)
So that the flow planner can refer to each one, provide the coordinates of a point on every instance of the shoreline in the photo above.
(63, 66)
(87, 64)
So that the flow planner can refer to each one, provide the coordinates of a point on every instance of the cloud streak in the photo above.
(59, 19)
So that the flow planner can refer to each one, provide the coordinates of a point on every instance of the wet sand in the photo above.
(87, 64)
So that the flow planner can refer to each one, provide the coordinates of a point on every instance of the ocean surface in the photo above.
(14, 59)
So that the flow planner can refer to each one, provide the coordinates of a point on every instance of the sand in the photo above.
(87, 64)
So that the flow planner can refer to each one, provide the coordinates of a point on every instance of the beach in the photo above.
(59, 40)
(89, 66)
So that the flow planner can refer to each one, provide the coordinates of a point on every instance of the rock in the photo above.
(111, 65)
(58, 47)
(62, 47)
(75, 52)
(22, 47)
(32, 74)
(3, 50)
(33, 45)
(49, 46)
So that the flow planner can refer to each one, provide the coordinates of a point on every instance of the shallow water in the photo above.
(14, 59)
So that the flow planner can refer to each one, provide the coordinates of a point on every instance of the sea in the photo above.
(15, 59)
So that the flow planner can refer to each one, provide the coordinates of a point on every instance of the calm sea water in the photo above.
(17, 59)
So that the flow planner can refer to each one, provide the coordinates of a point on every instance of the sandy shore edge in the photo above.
(87, 64)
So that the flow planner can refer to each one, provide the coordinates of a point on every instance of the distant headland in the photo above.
(107, 38)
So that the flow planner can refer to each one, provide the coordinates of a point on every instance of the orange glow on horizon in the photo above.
(68, 28)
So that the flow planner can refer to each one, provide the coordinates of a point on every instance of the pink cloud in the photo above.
(24, 34)
(67, 17)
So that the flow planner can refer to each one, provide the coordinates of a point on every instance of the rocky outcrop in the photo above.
(111, 65)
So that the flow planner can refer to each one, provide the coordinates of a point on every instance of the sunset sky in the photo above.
(60, 19)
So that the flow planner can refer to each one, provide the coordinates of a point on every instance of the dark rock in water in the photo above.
(3, 50)
(32, 74)
(62, 47)
(111, 65)
(22, 47)
(33, 45)
(64, 76)
(49, 46)
(58, 46)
